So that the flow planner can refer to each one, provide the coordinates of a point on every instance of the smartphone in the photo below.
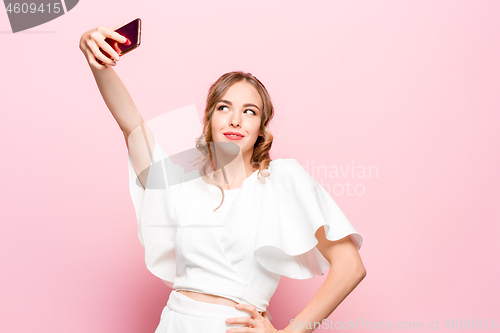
(131, 31)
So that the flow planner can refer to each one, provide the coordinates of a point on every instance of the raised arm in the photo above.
(138, 138)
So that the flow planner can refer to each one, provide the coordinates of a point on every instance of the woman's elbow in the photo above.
(360, 272)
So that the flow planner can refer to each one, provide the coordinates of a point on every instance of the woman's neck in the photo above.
(232, 174)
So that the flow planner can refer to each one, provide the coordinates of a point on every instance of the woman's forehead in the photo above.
(242, 93)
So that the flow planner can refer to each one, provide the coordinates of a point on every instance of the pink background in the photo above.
(408, 87)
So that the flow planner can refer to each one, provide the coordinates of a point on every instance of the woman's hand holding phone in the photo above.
(93, 42)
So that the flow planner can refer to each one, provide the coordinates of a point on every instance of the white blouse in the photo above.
(240, 251)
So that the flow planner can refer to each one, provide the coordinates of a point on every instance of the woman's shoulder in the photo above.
(283, 161)
(286, 168)
(285, 164)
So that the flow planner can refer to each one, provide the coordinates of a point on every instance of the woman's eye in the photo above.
(225, 106)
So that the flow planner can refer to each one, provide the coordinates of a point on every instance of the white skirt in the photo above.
(183, 314)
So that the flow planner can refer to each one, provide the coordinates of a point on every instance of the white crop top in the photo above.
(240, 251)
(229, 197)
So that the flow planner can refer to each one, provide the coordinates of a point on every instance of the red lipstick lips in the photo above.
(233, 135)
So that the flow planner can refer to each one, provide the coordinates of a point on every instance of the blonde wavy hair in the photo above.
(260, 158)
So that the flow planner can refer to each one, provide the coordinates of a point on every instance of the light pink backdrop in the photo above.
(410, 88)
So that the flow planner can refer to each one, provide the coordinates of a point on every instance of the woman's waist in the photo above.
(236, 291)
(209, 298)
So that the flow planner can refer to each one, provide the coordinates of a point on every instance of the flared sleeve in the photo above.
(294, 207)
(156, 212)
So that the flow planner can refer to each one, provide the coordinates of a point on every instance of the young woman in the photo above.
(221, 239)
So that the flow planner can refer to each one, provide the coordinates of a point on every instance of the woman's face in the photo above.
(239, 111)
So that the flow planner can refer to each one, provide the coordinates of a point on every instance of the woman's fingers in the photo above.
(91, 43)
(109, 33)
(98, 38)
(93, 62)
(97, 50)
(249, 308)
(119, 38)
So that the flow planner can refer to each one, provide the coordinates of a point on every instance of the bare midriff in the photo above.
(208, 298)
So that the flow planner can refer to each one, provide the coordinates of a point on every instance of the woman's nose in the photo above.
(235, 121)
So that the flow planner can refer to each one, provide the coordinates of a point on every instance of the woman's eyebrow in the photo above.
(244, 105)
